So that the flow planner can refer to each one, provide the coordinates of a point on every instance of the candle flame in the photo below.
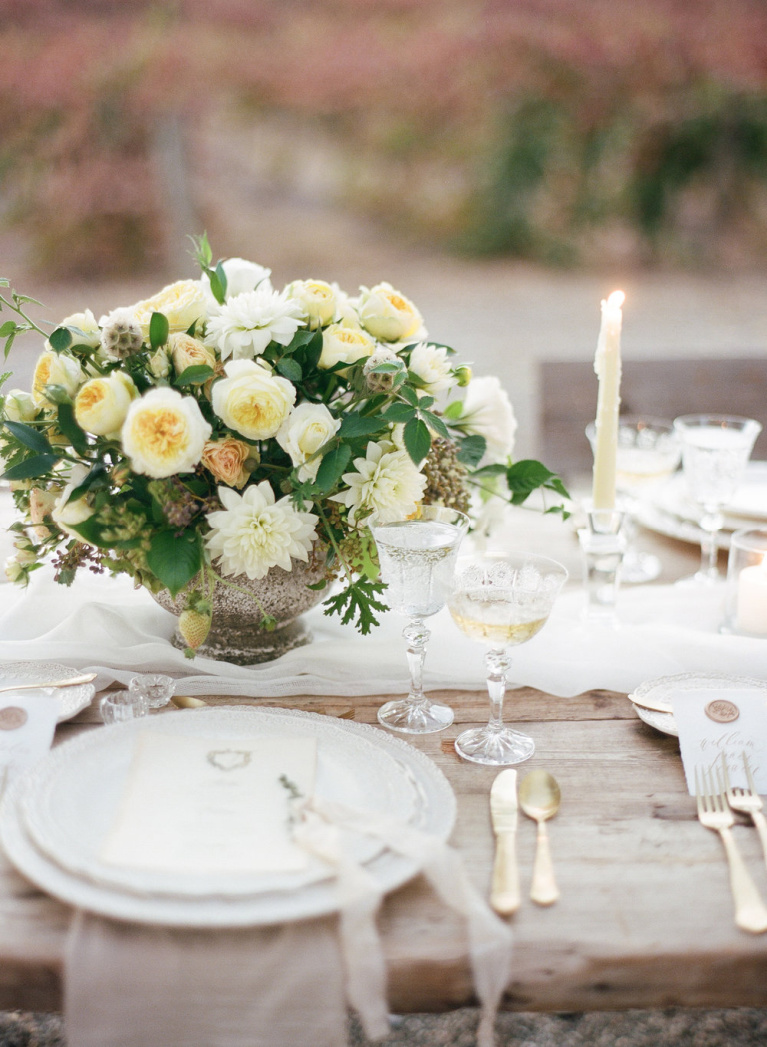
(616, 300)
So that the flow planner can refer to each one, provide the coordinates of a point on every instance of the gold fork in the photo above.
(747, 801)
(713, 813)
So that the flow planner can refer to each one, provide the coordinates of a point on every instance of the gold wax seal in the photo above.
(722, 711)
(12, 717)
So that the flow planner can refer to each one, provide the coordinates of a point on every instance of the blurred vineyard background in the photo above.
(563, 132)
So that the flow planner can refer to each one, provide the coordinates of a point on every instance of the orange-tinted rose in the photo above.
(226, 460)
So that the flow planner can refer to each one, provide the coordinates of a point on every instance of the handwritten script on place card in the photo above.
(27, 723)
(211, 805)
(730, 722)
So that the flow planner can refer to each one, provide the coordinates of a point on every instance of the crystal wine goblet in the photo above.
(417, 559)
(648, 453)
(502, 600)
(715, 453)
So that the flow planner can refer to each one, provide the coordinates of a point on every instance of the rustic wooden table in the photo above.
(645, 918)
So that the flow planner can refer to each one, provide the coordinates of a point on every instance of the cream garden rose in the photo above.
(164, 433)
(181, 303)
(251, 400)
(55, 369)
(388, 315)
(342, 344)
(68, 514)
(19, 406)
(102, 404)
(317, 300)
(87, 331)
(186, 351)
(487, 412)
(225, 460)
(308, 427)
(430, 363)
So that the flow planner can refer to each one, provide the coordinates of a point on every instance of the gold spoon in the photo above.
(70, 682)
(539, 798)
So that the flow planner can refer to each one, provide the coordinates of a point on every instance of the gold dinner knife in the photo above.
(504, 893)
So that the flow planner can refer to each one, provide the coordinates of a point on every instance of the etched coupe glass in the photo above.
(502, 601)
(417, 559)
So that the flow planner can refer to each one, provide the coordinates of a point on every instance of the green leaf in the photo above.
(222, 280)
(158, 330)
(39, 465)
(472, 451)
(410, 395)
(57, 394)
(399, 413)
(9, 343)
(417, 439)
(9, 327)
(332, 467)
(290, 369)
(69, 427)
(355, 424)
(31, 438)
(454, 410)
(358, 602)
(197, 374)
(60, 339)
(175, 559)
(525, 477)
(435, 422)
(97, 477)
(217, 288)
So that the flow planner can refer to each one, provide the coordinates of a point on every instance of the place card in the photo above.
(27, 724)
(211, 805)
(729, 721)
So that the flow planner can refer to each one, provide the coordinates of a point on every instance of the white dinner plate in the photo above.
(70, 700)
(420, 788)
(661, 690)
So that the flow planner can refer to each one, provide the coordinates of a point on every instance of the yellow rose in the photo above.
(388, 315)
(164, 433)
(102, 403)
(316, 298)
(341, 344)
(182, 304)
(186, 351)
(55, 369)
(251, 400)
(225, 459)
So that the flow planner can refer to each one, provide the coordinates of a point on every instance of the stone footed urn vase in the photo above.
(236, 634)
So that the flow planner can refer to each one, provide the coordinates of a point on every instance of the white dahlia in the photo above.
(386, 486)
(253, 532)
(245, 325)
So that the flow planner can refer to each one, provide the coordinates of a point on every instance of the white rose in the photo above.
(19, 406)
(388, 315)
(251, 400)
(181, 303)
(158, 363)
(164, 433)
(307, 428)
(317, 300)
(341, 344)
(87, 331)
(431, 365)
(241, 276)
(102, 404)
(55, 369)
(487, 412)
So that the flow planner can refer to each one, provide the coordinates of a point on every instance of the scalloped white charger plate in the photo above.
(662, 688)
(70, 700)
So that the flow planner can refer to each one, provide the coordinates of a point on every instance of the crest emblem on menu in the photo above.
(229, 759)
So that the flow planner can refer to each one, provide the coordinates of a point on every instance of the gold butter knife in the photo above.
(504, 893)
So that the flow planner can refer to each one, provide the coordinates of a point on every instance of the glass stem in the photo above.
(416, 637)
(497, 663)
(710, 523)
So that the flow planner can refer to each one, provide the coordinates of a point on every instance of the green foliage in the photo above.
(358, 603)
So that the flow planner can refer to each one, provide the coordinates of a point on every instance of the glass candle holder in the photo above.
(157, 689)
(119, 706)
(745, 602)
(603, 544)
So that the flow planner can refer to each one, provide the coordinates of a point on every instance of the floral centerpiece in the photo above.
(223, 428)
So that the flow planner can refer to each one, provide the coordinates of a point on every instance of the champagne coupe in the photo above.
(502, 600)
(715, 453)
(417, 559)
(648, 453)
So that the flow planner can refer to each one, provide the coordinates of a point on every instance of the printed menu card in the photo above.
(211, 805)
(729, 722)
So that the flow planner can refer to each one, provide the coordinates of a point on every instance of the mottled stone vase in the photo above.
(236, 634)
